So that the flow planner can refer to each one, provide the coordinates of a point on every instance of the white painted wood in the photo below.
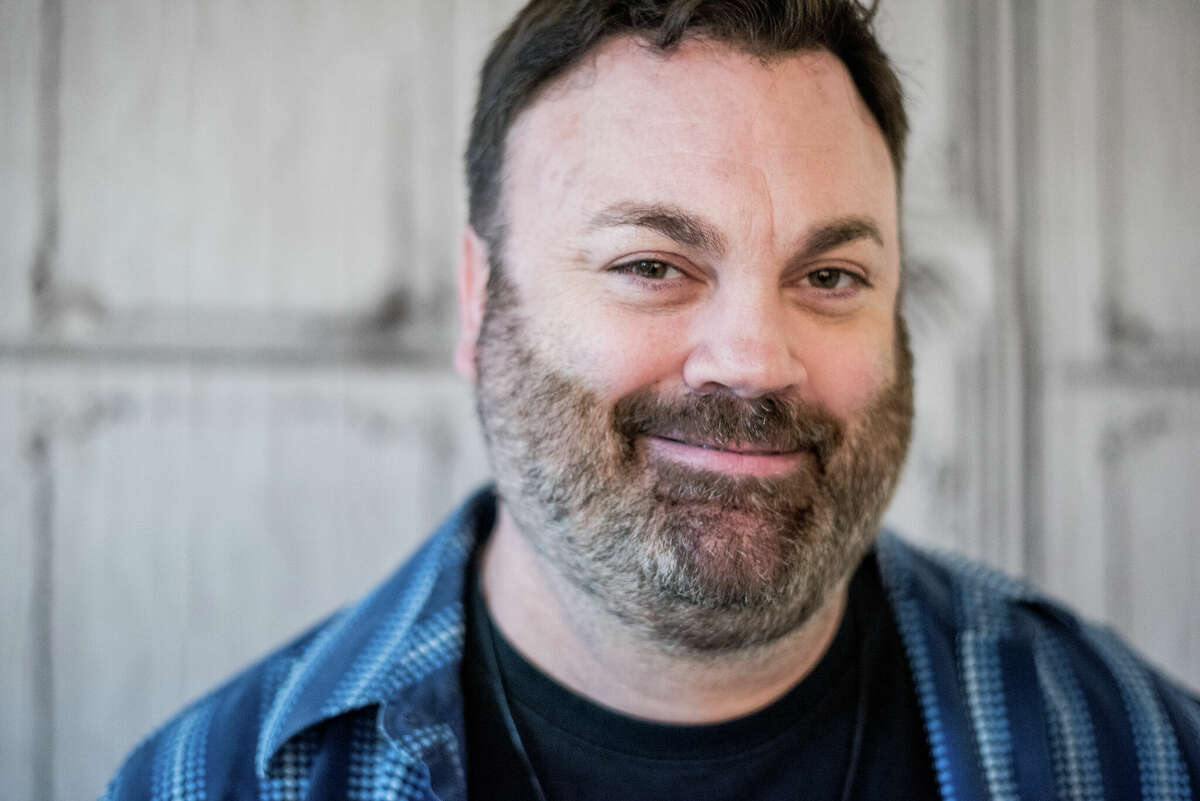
(476, 25)
(1153, 507)
(1062, 226)
(948, 259)
(120, 539)
(1072, 543)
(19, 190)
(433, 206)
(20, 716)
(1062, 206)
(203, 516)
(1135, 559)
(273, 158)
(961, 488)
(1114, 299)
(1153, 234)
(917, 37)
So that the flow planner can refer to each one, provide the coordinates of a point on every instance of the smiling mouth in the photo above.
(731, 458)
(747, 450)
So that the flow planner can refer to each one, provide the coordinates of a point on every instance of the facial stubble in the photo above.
(694, 561)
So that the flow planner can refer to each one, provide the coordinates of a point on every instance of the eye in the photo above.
(831, 278)
(650, 269)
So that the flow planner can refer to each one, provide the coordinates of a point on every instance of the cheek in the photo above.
(845, 373)
(613, 356)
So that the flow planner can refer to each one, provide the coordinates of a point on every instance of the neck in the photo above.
(567, 636)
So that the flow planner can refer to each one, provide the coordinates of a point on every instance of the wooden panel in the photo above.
(949, 270)
(20, 192)
(476, 25)
(202, 517)
(1123, 544)
(1113, 185)
(432, 194)
(1072, 548)
(1151, 464)
(916, 36)
(1152, 176)
(1061, 203)
(252, 157)
(961, 487)
(1109, 214)
(24, 715)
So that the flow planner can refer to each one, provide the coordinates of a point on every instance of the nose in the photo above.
(744, 346)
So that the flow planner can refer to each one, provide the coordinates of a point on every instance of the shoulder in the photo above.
(1022, 673)
(967, 599)
(210, 744)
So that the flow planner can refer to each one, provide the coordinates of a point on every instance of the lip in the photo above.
(746, 460)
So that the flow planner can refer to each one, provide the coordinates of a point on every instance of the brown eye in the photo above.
(651, 269)
(648, 268)
(828, 278)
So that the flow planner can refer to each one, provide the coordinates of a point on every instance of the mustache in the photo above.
(770, 422)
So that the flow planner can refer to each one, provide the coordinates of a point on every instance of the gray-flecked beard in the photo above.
(694, 561)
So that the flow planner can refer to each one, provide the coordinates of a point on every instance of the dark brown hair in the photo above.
(547, 37)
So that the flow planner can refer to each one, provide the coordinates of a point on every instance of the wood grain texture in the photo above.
(1133, 558)
(1062, 212)
(25, 725)
(1151, 178)
(21, 176)
(961, 487)
(1116, 298)
(1151, 462)
(254, 166)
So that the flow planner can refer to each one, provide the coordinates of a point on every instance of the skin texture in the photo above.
(691, 373)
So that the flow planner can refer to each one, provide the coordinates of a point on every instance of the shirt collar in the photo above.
(406, 632)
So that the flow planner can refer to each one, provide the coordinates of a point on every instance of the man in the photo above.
(679, 307)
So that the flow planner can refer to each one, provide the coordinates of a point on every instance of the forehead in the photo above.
(705, 120)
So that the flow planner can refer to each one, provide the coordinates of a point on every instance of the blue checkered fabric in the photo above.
(1019, 699)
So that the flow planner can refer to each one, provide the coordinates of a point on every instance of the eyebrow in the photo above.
(671, 221)
(693, 231)
(837, 232)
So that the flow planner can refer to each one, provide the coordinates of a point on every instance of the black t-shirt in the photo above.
(851, 729)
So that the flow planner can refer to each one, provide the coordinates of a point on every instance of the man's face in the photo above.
(691, 372)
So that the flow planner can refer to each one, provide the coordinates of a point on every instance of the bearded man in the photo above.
(679, 304)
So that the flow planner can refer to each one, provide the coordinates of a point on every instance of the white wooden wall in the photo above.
(226, 238)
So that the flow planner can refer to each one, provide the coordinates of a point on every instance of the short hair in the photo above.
(547, 37)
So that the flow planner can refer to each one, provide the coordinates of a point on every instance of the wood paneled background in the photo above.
(227, 233)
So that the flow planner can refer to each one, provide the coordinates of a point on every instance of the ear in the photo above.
(472, 297)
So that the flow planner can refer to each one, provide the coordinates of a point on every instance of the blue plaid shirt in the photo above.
(1019, 699)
